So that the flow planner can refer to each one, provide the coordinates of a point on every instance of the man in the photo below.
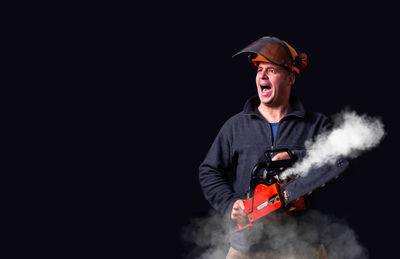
(273, 119)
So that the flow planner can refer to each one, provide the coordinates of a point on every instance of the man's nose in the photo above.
(264, 75)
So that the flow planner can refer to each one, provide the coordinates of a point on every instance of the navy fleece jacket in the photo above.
(225, 172)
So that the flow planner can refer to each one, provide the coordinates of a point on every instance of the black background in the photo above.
(189, 86)
(126, 101)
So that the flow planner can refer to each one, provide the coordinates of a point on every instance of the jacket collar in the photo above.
(296, 107)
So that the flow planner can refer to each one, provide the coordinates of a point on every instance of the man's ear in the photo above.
(292, 78)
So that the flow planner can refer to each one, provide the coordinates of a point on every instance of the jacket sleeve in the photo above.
(316, 177)
(213, 172)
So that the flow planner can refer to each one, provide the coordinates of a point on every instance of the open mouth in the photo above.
(265, 87)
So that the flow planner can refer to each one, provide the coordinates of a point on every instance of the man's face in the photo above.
(273, 84)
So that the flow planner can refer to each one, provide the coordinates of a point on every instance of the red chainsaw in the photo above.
(264, 196)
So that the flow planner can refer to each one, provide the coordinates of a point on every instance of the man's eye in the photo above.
(271, 70)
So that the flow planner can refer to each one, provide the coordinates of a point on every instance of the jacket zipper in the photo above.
(277, 131)
(272, 136)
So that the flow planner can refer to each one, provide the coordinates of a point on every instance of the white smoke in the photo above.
(351, 135)
(290, 237)
(207, 237)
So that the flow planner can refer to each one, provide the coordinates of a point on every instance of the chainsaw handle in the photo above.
(269, 165)
(281, 163)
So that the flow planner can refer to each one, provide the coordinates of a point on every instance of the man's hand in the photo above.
(281, 156)
(238, 211)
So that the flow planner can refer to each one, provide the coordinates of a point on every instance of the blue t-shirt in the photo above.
(274, 126)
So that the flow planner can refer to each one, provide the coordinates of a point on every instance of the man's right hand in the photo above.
(238, 213)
